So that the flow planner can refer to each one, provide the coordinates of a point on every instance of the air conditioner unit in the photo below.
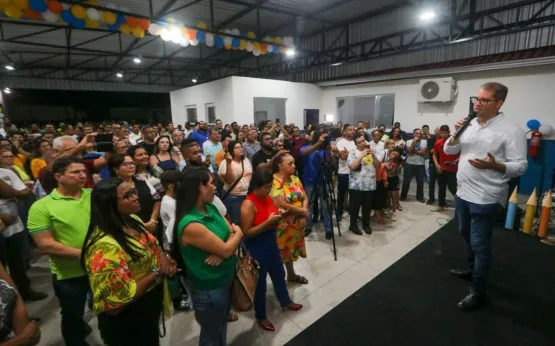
(437, 90)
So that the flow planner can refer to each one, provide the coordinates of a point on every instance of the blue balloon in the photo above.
(67, 16)
(244, 34)
(38, 5)
(218, 41)
(78, 24)
(201, 36)
(114, 27)
(120, 19)
(236, 43)
(533, 124)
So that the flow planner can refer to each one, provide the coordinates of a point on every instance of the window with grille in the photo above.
(191, 113)
(378, 109)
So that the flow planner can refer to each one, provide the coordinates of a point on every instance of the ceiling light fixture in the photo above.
(137, 61)
(194, 80)
(427, 16)
(291, 52)
(9, 67)
(337, 63)
(119, 75)
(7, 90)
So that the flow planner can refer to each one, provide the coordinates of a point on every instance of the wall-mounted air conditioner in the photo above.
(437, 90)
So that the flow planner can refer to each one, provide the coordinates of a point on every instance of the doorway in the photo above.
(312, 117)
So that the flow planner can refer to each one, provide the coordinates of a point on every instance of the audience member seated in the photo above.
(165, 157)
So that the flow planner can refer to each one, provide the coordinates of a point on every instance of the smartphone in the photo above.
(104, 138)
(367, 146)
(277, 121)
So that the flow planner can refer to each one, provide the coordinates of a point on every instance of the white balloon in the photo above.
(256, 52)
(267, 39)
(228, 31)
(236, 32)
(270, 48)
(209, 43)
(288, 41)
(228, 41)
(165, 34)
(209, 37)
(194, 42)
(546, 130)
(124, 9)
(93, 14)
(184, 42)
(176, 39)
(153, 29)
(249, 46)
(50, 16)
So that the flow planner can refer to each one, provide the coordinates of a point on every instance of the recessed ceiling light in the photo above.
(119, 75)
(7, 90)
(337, 63)
(426, 16)
(137, 61)
(194, 80)
(290, 52)
(9, 67)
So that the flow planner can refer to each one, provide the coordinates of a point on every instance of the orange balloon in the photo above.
(144, 23)
(132, 22)
(192, 34)
(29, 13)
(282, 49)
(263, 47)
(55, 6)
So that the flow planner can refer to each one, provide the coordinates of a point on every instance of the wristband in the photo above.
(156, 272)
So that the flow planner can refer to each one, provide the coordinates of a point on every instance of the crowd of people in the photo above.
(122, 208)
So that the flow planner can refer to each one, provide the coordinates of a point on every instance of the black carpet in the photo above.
(414, 302)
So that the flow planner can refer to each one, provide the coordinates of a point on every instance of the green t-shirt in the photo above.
(68, 220)
(203, 276)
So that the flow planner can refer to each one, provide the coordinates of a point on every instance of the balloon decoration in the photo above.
(80, 16)
(533, 124)
(546, 130)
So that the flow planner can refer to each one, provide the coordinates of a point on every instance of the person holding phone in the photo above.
(446, 167)
(259, 220)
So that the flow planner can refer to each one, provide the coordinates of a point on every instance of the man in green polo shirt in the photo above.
(59, 223)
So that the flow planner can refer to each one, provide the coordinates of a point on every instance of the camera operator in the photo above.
(265, 156)
(315, 156)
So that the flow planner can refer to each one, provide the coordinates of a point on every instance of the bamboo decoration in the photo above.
(530, 211)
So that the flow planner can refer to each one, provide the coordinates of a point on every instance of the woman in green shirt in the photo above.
(207, 244)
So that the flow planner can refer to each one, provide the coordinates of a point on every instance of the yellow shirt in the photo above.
(19, 160)
(36, 166)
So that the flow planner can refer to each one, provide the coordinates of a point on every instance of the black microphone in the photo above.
(464, 125)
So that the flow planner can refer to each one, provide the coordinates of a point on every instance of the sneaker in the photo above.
(328, 235)
(307, 231)
(430, 201)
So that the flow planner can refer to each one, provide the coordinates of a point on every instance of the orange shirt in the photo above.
(219, 157)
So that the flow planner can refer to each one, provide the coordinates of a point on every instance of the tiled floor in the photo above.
(359, 260)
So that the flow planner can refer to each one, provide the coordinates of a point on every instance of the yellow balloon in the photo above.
(202, 25)
(92, 2)
(251, 34)
(4, 2)
(243, 44)
(277, 40)
(125, 29)
(256, 45)
(109, 18)
(92, 23)
(138, 32)
(78, 11)
(21, 4)
(227, 46)
(13, 12)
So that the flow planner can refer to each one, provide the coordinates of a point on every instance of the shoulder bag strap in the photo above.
(236, 181)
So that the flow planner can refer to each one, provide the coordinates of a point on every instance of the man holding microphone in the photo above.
(492, 151)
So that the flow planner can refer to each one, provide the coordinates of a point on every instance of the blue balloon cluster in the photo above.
(218, 41)
(38, 5)
(69, 18)
(236, 43)
(533, 124)
(201, 36)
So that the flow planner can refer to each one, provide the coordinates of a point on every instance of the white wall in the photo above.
(219, 92)
(531, 96)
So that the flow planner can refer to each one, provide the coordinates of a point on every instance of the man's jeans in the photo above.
(212, 312)
(432, 178)
(72, 294)
(233, 205)
(342, 189)
(475, 224)
(319, 191)
(410, 171)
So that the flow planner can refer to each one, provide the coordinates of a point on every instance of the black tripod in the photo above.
(329, 197)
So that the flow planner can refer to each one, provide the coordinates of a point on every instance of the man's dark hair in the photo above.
(60, 165)
(265, 134)
(187, 143)
(65, 127)
(375, 131)
(170, 177)
(146, 127)
(416, 129)
(382, 125)
(345, 127)
(444, 128)
(423, 126)
(499, 90)
(217, 120)
(226, 136)
(214, 129)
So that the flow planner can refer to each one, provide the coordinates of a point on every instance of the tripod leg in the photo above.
(333, 202)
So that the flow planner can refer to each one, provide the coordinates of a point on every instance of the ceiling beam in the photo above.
(258, 4)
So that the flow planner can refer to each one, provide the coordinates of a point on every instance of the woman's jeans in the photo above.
(233, 205)
(212, 312)
(264, 249)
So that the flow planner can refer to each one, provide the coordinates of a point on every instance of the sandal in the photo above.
(233, 317)
(292, 307)
(299, 280)
(399, 208)
(266, 325)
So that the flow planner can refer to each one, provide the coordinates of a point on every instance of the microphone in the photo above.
(464, 125)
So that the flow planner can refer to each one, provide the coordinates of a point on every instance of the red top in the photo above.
(264, 208)
(438, 148)
(298, 143)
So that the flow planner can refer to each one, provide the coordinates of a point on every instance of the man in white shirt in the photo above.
(345, 145)
(414, 165)
(135, 135)
(493, 151)
(376, 143)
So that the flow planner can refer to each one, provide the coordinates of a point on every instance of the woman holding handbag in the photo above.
(260, 217)
(236, 172)
(206, 243)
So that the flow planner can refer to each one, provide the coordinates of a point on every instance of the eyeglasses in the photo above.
(129, 164)
(482, 102)
(129, 194)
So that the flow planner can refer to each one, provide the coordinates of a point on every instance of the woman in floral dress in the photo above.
(288, 194)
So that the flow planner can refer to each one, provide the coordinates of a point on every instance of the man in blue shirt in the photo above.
(314, 155)
(212, 146)
(201, 135)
